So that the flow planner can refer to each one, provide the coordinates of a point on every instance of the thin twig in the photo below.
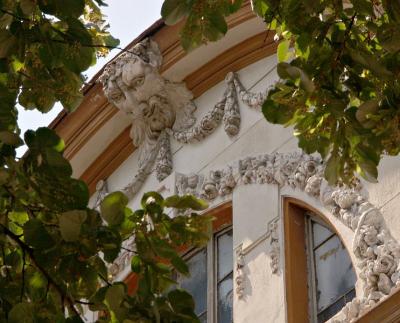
(14, 15)
(23, 274)
(50, 280)
(104, 279)
(129, 250)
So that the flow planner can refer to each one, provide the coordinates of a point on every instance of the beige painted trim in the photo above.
(109, 160)
(386, 311)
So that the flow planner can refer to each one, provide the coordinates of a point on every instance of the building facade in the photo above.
(286, 246)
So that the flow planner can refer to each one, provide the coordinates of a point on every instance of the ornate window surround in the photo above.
(295, 254)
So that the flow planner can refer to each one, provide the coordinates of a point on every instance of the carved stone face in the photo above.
(137, 88)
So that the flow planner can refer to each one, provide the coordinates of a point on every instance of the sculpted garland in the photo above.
(377, 252)
(161, 109)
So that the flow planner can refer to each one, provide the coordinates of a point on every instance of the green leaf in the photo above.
(113, 208)
(275, 113)
(180, 300)
(172, 11)
(8, 43)
(151, 198)
(368, 170)
(283, 50)
(70, 224)
(114, 296)
(260, 7)
(136, 264)
(36, 235)
(10, 138)
(185, 202)
(332, 169)
(27, 6)
(180, 265)
(60, 9)
(21, 313)
(365, 110)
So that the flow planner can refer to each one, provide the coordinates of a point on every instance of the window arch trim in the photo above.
(295, 253)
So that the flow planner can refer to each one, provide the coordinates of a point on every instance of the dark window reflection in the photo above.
(334, 274)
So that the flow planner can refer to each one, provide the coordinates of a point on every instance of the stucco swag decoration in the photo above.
(377, 252)
(160, 109)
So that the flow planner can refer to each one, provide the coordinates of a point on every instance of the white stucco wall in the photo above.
(255, 205)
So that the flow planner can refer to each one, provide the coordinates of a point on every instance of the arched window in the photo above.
(320, 278)
(331, 274)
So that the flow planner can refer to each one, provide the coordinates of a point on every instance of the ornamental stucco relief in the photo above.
(161, 109)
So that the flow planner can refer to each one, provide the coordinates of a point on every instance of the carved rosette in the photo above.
(160, 109)
(377, 252)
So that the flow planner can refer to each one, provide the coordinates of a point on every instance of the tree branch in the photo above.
(26, 249)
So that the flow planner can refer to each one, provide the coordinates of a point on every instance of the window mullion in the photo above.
(311, 271)
(211, 281)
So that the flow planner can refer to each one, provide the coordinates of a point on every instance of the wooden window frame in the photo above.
(222, 223)
(296, 259)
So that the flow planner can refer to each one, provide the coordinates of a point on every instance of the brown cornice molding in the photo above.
(78, 127)
(233, 59)
(109, 160)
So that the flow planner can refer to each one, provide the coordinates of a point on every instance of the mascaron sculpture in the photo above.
(160, 109)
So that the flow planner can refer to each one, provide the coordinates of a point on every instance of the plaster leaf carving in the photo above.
(188, 184)
(101, 192)
(164, 158)
(252, 100)
(123, 260)
(226, 111)
(159, 108)
(231, 117)
(239, 279)
(378, 254)
(132, 83)
(274, 254)
(275, 248)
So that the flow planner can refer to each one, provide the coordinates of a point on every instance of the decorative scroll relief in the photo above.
(159, 108)
(378, 254)
(274, 254)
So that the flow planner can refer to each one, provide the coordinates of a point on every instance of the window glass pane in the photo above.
(225, 300)
(334, 272)
(320, 233)
(330, 311)
(196, 283)
(203, 318)
(225, 254)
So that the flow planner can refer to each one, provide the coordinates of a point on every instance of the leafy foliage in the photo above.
(45, 46)
(54, 255)
(339, 65)
(204, 20)
(54, 249)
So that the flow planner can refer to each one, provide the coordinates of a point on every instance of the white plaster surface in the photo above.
(255, 205)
